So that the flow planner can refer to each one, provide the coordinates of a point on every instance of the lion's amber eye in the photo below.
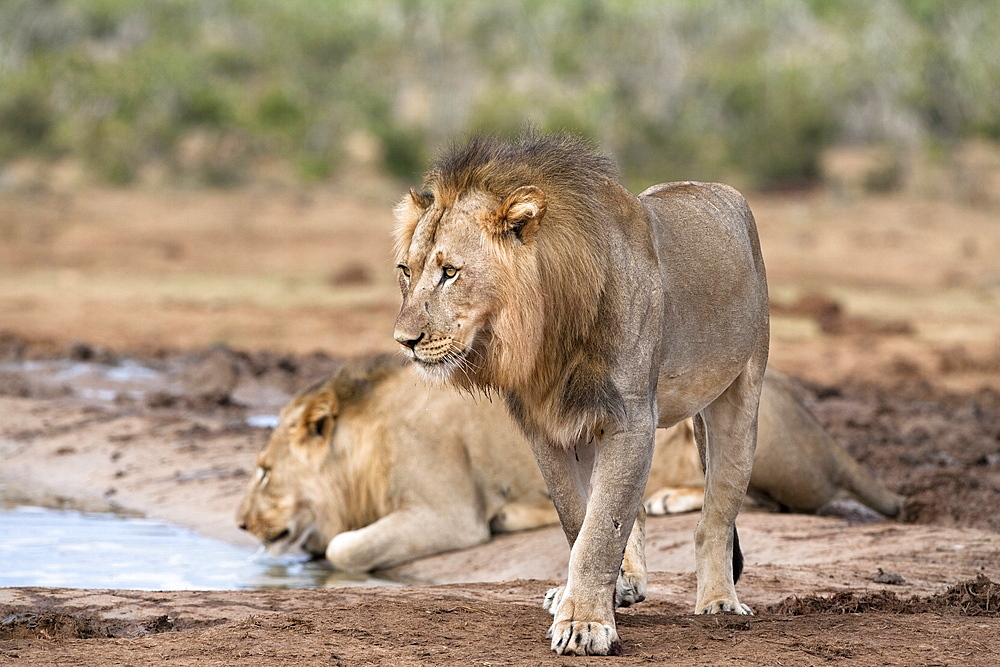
(449, 272)
(405, 269)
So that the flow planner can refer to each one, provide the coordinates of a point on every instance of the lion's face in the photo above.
(280, 506)
(456, 263)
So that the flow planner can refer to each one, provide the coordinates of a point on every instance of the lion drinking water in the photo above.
(528, 270)
(352, 475)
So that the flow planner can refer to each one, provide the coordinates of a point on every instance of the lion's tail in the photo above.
(737, 556)
(857, 481)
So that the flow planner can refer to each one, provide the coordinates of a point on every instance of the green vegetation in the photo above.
(748, 91)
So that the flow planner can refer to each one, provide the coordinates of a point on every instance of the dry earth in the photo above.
(887, 309)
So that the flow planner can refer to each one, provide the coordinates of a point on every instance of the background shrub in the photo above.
(749, 92)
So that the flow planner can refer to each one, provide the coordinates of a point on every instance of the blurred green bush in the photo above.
(749, 92)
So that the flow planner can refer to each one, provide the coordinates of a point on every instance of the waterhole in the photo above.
(72, 549)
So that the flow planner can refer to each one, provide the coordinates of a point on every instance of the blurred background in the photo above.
(175, 173)
(219, 92)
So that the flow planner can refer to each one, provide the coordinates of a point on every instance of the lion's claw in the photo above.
(584, 638)
(553, 597)
(726, 607)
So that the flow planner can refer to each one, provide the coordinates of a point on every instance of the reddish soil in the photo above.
(888, 310)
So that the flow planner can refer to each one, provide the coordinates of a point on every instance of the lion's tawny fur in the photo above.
(599, 315)
(396, 473)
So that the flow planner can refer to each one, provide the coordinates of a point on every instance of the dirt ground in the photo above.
(886, 309)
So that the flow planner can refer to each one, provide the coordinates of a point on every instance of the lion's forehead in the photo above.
(425, 234)
(446, 237)
(278, 447)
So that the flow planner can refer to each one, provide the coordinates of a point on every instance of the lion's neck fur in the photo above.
(556, 382)
(353, 487)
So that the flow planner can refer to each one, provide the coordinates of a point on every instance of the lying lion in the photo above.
(371, 469)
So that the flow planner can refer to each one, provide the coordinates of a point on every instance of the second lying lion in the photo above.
(371, 469)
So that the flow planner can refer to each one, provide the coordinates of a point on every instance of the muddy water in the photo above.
(94, 382)
(60, 548)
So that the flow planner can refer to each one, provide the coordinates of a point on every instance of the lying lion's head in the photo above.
(500, 270)
(276, 508)
(313, 478)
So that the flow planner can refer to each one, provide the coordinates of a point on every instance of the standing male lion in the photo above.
(528, 270)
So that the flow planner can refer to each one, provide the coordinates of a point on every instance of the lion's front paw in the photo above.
(724, 606)
(348, 552)
(553, 597)
(584, 638)
(631, 588)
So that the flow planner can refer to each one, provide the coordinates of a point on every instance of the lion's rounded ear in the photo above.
(319, 415)
(408, 212)
(421, 199)
(520, 213)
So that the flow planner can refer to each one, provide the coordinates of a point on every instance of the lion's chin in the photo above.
(282, 543)
(435, 371)
(278, 547)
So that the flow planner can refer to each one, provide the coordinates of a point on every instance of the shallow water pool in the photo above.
(64, 548)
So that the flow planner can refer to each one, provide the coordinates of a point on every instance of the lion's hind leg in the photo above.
(675, 500)
(726, 432)
(631, 586)
(525, 514)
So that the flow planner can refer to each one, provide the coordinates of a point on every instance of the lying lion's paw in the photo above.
(724, 606)
(673, 500)
(584, 638)
(348, 552)
(631, 588)
(553, 597)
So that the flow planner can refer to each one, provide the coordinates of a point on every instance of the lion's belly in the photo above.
(679, 396)
(699, 361)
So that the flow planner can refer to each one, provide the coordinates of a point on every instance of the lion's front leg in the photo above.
(584, 616)
(404, 535)
(632, 577)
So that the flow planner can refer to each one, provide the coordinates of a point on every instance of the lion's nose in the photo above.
(407, 340)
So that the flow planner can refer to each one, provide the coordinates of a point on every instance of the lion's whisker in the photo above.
(457, 355)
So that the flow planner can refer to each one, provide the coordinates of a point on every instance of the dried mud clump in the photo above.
(57, 626)
(975, 597)
(940, 449)
(845, 602)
